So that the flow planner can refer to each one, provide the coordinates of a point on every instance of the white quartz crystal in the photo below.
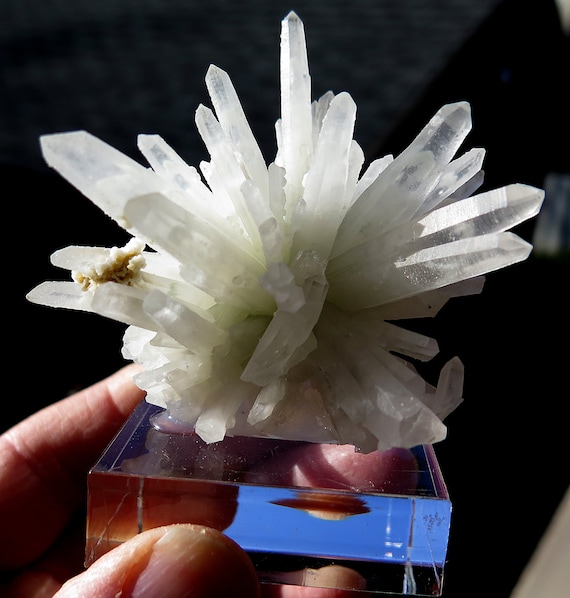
(266, 300)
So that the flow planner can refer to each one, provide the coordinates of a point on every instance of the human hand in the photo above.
(44, 462)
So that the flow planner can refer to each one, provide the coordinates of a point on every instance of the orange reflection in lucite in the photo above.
(111, 512)
(120, 506)
(188, 501)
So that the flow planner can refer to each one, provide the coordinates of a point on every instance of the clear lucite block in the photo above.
(395, 536)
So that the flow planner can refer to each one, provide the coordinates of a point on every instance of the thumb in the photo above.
(173, 561)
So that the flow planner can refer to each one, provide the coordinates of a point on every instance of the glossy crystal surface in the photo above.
(154, 473)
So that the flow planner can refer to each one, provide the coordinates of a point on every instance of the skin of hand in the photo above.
(44, 461)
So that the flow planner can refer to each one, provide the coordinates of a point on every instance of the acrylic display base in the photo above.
(394, 536)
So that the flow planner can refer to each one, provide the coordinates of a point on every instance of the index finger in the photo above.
(45, 458)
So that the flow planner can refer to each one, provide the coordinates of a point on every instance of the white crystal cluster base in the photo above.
(392, 536)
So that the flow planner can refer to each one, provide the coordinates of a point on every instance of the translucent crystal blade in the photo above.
(102, 173)
(234, 123)
(218, 416)
(371, 174)
(448, 395)
(465, 258)
(172, 168)
(270, 230)
(394, 338)
(444, 133)
(296, 116)
(61, 294)
(227, 168)
(277, 195)
(429, 303)
(490, 212)
(325, 196)
(319, 109)
(428, 269)
(79, 258)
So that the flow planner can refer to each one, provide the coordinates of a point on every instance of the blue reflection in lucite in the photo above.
(394, 529)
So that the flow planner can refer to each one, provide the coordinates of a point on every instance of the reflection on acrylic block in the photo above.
(281, 500)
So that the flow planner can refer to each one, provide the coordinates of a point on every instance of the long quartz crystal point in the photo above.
(102, 173)
(444, 133)
(60, 293)
(428, 269)
(325, 198)
(234, 123)
(394, 338)
(229, 171)
(373, 171)
(184, 236)
(172, 168)
(432, 267)
(428, 304)
(319, 109)
(493, 211)
(448, 395)
(381, 205)
(296, 112)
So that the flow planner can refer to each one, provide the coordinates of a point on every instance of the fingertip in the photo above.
(173, 561)
(121, 388)
(205, 563)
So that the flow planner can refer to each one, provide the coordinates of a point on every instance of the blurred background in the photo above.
(118, 68)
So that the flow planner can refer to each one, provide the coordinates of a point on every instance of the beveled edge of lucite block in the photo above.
(395, 537)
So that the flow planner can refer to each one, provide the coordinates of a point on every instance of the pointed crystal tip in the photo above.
(291, 16)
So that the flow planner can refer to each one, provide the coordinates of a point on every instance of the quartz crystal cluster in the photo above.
(261, 299)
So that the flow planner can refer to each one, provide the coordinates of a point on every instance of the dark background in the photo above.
(122, 67)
